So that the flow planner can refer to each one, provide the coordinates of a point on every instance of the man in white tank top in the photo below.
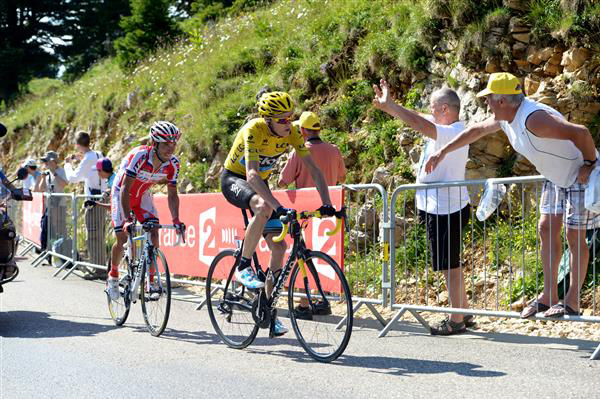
(565, 154)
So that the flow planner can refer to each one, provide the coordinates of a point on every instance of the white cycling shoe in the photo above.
(112, 288)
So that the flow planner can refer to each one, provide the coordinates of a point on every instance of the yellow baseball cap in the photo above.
(502, 83)
(310, 120)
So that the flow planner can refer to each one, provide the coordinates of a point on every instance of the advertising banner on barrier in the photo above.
(214, 224)
(32, 215)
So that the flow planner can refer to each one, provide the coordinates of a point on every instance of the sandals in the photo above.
(469, 321)
(560, 310)
(532, 308)
(448, 327)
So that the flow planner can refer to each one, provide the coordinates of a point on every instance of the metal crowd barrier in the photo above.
(500, 256)
(91, 243)
(387, 259)
(366, 262)
(76, 234)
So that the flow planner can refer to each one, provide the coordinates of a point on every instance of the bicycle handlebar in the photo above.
(153, 225)
(292, 215)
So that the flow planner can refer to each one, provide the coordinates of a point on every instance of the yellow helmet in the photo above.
(274, 103)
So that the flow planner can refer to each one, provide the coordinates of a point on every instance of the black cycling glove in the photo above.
(281, 211)
(326, 210)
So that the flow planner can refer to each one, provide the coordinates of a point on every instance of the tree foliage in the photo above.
(148, 27)
(29, 30)
(93, 26)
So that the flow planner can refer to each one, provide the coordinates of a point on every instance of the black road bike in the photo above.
(315, 280)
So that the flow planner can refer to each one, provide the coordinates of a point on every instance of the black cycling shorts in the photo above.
(236, 189)
(445, 235)
(238, 192)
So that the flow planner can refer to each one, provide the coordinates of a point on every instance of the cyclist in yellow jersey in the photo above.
(251, 160)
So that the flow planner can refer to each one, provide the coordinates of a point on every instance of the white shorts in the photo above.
(143, 207)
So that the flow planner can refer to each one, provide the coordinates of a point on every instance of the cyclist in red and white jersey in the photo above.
(143, 167)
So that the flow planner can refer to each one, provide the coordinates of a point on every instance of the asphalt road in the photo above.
(58, 341)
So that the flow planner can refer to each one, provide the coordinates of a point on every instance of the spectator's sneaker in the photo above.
(112, 288)
(279, 329)
(248, 278)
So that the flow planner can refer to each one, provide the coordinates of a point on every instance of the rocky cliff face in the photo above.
(566, 79)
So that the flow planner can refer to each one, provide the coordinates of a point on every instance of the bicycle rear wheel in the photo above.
(327, 331)
(229, 303)
(119, 308)
(156, 293)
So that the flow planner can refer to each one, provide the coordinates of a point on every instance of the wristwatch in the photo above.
(587, 162)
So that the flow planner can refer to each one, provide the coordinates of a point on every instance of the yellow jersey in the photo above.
(254, 142)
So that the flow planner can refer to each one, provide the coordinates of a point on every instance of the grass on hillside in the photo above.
(207, 83)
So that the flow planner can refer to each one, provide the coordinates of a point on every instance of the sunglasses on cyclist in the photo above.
(282, 121)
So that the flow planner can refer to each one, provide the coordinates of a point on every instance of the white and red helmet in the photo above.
(163, 131)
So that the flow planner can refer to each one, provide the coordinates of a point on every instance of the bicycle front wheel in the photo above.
(324, 329)
(229, 302)
(156, 293)
(119, 308)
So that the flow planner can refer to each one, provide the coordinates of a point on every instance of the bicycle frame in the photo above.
(145, 258)
(298, 253)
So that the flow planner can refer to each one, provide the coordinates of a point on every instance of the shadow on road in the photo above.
(394, 365)
(27, 324)
(194, 337)
(553, 343)
(205, 337)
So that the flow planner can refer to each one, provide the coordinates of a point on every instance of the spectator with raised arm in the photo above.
(445, 213)
(93, 185)
(565, 154)
(53, 181)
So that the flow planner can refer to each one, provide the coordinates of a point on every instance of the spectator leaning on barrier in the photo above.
(330, 162)
(445, 212)
(95, 217)
(105, 170)
(327, 156)
(34, 177)
(565, 154)
(53, 180)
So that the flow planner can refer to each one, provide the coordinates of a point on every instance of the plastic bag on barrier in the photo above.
(63, 247)
(493, 194)
(592, 192)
